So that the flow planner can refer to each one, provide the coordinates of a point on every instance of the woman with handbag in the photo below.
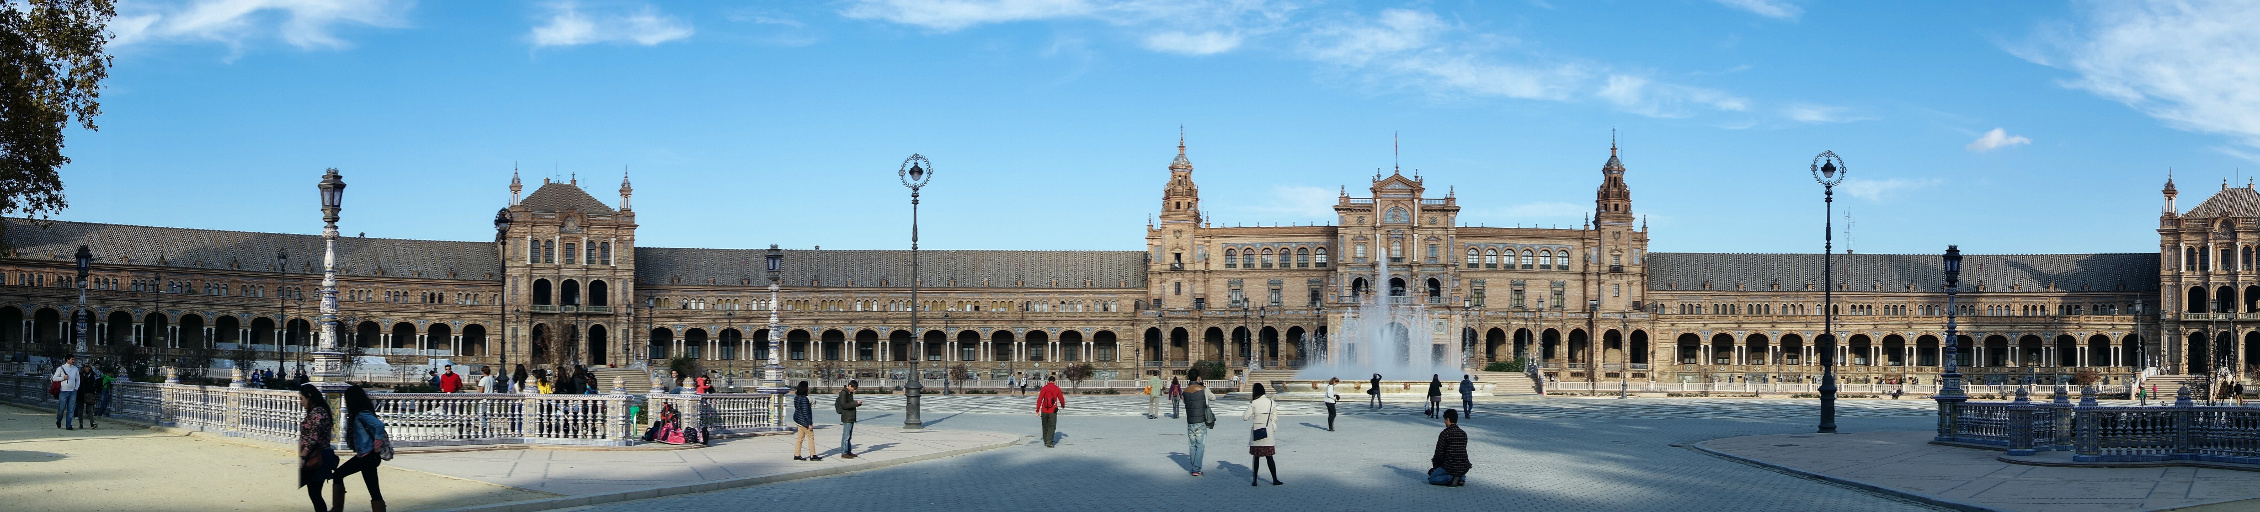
(371, 447)
(316, 459)
(1263, 422)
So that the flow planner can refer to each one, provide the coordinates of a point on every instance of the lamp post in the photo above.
(329, 363)
(915, 173)
(85, 259)
(282, 301)
(773, 375)
(1950, 394)
(1829, 170)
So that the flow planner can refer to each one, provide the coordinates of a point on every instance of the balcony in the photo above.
(551, 308)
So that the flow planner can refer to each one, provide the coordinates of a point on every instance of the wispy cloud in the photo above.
(306, 24)
(949, 15)
(1820, 114)
(1298, 201)
(566, 25)
(1203, 43)
(1880, 190)
(1776, 9)
(1996, 139)
(2193, 64)
(1641, 95)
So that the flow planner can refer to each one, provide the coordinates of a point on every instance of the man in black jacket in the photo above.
(846, 405)
(1449, 465)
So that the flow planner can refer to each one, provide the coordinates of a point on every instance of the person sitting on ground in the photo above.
(1449, 465)
(669, 428)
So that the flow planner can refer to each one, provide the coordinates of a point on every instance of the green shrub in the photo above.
(1210, 370)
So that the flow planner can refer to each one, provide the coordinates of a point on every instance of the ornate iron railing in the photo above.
(2182, 431)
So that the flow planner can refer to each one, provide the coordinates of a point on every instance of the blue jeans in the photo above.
(1197, 434)
(847, 437)
(65, 405)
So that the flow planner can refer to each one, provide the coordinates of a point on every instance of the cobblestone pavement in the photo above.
(1555, 454)
(1609, 408)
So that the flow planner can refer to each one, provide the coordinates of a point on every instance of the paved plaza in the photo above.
(1907, 462)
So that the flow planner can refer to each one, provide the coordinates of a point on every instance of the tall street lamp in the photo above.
(915, 172)
(1829, 170)
(282, 297)
(773, 375)
(329, 363)
(78, 318)
(1950, 394)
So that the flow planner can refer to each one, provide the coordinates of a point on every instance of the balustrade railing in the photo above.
(420, 419)
(2182, 431)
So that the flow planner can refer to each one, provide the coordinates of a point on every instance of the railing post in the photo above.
(2060, 436)
(616, 413)
(2089, 440)
(1949, 413)
(2185, 416)
(529, 417)
(2020, 424)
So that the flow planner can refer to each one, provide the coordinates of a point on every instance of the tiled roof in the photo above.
(2231, 202)
(966, 269)
(560, 196)
(118, 244)
(2134, 272)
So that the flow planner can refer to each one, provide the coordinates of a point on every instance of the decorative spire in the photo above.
(1396, 155)
(625, 190)
(1181, 163)
(515, 186)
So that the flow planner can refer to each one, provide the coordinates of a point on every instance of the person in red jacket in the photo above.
(1048, 402)
(449, 382)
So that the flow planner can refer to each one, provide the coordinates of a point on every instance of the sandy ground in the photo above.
(121, 466)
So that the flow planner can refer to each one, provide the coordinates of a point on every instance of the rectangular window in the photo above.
(1515, 297)
(693, 350)
(1302, 259)
(1231, 259)
(1432, 253)
(1320, 260)
(1106, 353)
(606, 252)
(590, 256)
(1396, 251)
(569, 252)
(549, 251)
(533, 252)
(1560, 296)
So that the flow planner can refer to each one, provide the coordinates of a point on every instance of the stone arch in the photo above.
(225, 329)
(660, 341)
(1071, 347)
(192, 331)
(439, 334)
(570, 293)
(600, 295)
(541, 292)
(120, 327)
(1640, 348)
(2224, 300)
(403, 333)
(1493, 340)
(2197, 299)
(474, 340)
(1758, 349)
(1722, 349)
(597, 346)
(1104, 346)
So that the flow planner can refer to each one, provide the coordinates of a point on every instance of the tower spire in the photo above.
(1396, 155)
(625, 190)
(515, 186)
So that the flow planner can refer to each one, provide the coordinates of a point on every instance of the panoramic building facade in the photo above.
(564, 282)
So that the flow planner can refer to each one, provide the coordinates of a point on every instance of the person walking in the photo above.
(1263, 427)
(1199, 419)
(109, 382)
(1153, 394)
(1331, 398)
(90, 391)
(1375, 390)
(1449, 465)
(365, 434)
(804, 420)
(1176, 396)
(1467, 394)
(316, 459)
(1048, 402)
(1023, 383)
(846, 405)
(1435, 394)
(1012, 381)
(66, 379)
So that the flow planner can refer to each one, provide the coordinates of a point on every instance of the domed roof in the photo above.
(2231, 202)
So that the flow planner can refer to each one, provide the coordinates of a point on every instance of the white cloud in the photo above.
(1820, 114)
(1299, 201)
(949, 15)
(568, 26)
(1204, 43)
(1879, 190)
(2194, 64)
(1777, 9)
(1996, 139)
(1640, 95)
(307, 24)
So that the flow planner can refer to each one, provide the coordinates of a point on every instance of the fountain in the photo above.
(1389, 333)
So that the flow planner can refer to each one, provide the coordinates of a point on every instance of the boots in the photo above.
(377, 505)
(337, 497)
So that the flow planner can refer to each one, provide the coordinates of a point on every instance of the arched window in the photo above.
(541, 292)
(1475, 257)
(549, 251)
(1302, 257)
(1545, 259)
(1231, 258)
(1526, 258)
(1397, 215)
(1248, 258)
(1318, 256)
(1435, 289)
(1491, 258)
(1267, 258)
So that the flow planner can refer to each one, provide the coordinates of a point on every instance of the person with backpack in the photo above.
(63, 385)
(1048, 402)
(845, 405)
(365, 434)
(1199, 419)
(1176, 396)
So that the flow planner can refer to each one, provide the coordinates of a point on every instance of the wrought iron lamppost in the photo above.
(282, 301)
(1950, 394)
(915, 173)
(329, 363)
(1829, 170)
(79, 318)
(773, 375)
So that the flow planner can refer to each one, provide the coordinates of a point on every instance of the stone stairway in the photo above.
(1513, 385)
(2167, 385)
(635, 380)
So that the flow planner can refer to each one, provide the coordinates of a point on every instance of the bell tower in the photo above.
(1613, 202)
(1181, 199)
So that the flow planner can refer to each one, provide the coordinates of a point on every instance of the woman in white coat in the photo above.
(1263, 425)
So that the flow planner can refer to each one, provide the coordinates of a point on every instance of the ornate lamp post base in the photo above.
(329, 366)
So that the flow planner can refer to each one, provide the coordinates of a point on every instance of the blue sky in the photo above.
(2006, 127)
